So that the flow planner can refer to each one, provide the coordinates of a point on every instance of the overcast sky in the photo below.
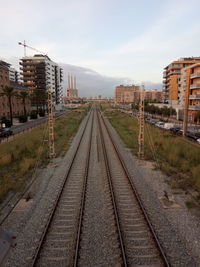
(124, 40)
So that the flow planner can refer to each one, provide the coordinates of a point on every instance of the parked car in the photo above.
(175, 130)
(159, 124)
(193, 135)
(153, 121)
(168, 125)
(5, 132)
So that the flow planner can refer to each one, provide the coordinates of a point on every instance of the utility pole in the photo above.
(52, 153)
(186, 104)
(141, 124)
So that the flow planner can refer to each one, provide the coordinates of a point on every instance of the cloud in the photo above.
(91, 83)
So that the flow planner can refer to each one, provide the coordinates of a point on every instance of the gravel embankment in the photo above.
(27, 220)
(172, 225)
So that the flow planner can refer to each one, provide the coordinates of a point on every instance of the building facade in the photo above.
(4, 81)
(126, 94)
(153, 95)
(13, 75)
(171, 78)
(189, 90)
(41, 73)
(17, 105)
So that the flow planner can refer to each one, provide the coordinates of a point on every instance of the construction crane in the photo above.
(32, 48)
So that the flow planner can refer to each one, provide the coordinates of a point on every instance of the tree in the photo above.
(197, 116)
(9, 93)
(23, 95)
(39, 98)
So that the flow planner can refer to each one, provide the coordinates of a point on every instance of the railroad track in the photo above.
(138, 241)
(57, 243)
(97, 218)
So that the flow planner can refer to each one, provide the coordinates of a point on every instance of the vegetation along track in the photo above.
(138, 240)
(57, 242)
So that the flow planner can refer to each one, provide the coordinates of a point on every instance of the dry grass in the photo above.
(174, 155)
(19, 156)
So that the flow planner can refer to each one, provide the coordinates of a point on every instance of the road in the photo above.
(30, 124)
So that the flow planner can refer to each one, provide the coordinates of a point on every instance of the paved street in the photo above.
(22, 127)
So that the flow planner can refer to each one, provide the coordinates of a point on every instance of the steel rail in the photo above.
(141, 205)
(46, 227)
(121, 241)
(82, 206)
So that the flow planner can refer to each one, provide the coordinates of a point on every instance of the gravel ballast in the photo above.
(172, 225)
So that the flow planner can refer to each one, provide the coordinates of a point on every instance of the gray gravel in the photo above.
(28, 224)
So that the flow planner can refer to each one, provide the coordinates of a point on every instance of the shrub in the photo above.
(22, 118)
(41, 113)
(33, 115)
(6, 122)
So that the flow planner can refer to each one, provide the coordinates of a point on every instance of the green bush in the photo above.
(33, 115)
(41, 112)
(22, 118)
(6, 122)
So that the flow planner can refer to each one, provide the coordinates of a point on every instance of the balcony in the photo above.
(195, 86)
(194, 97)
(175, 72)
(195, 75)
(174, 67)
(194, 107)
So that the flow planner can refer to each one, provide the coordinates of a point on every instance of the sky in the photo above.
(126, 41)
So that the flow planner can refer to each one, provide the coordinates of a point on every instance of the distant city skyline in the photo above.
(119, 40)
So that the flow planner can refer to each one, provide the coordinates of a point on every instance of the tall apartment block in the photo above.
(190, 90)
(125, 94)
(13, 75)
(6, 79)
(41, 73)
(171, 78)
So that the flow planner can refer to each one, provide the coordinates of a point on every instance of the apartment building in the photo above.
(13, 75)
(17, 105)
(171, 78)
(154, 95)
(41, 73)
(125, 94)
(189, 90)
(4, 81)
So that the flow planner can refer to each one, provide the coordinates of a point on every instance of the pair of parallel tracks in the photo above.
(137, 239)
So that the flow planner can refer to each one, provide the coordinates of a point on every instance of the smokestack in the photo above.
(68, 81)
(72, 82)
